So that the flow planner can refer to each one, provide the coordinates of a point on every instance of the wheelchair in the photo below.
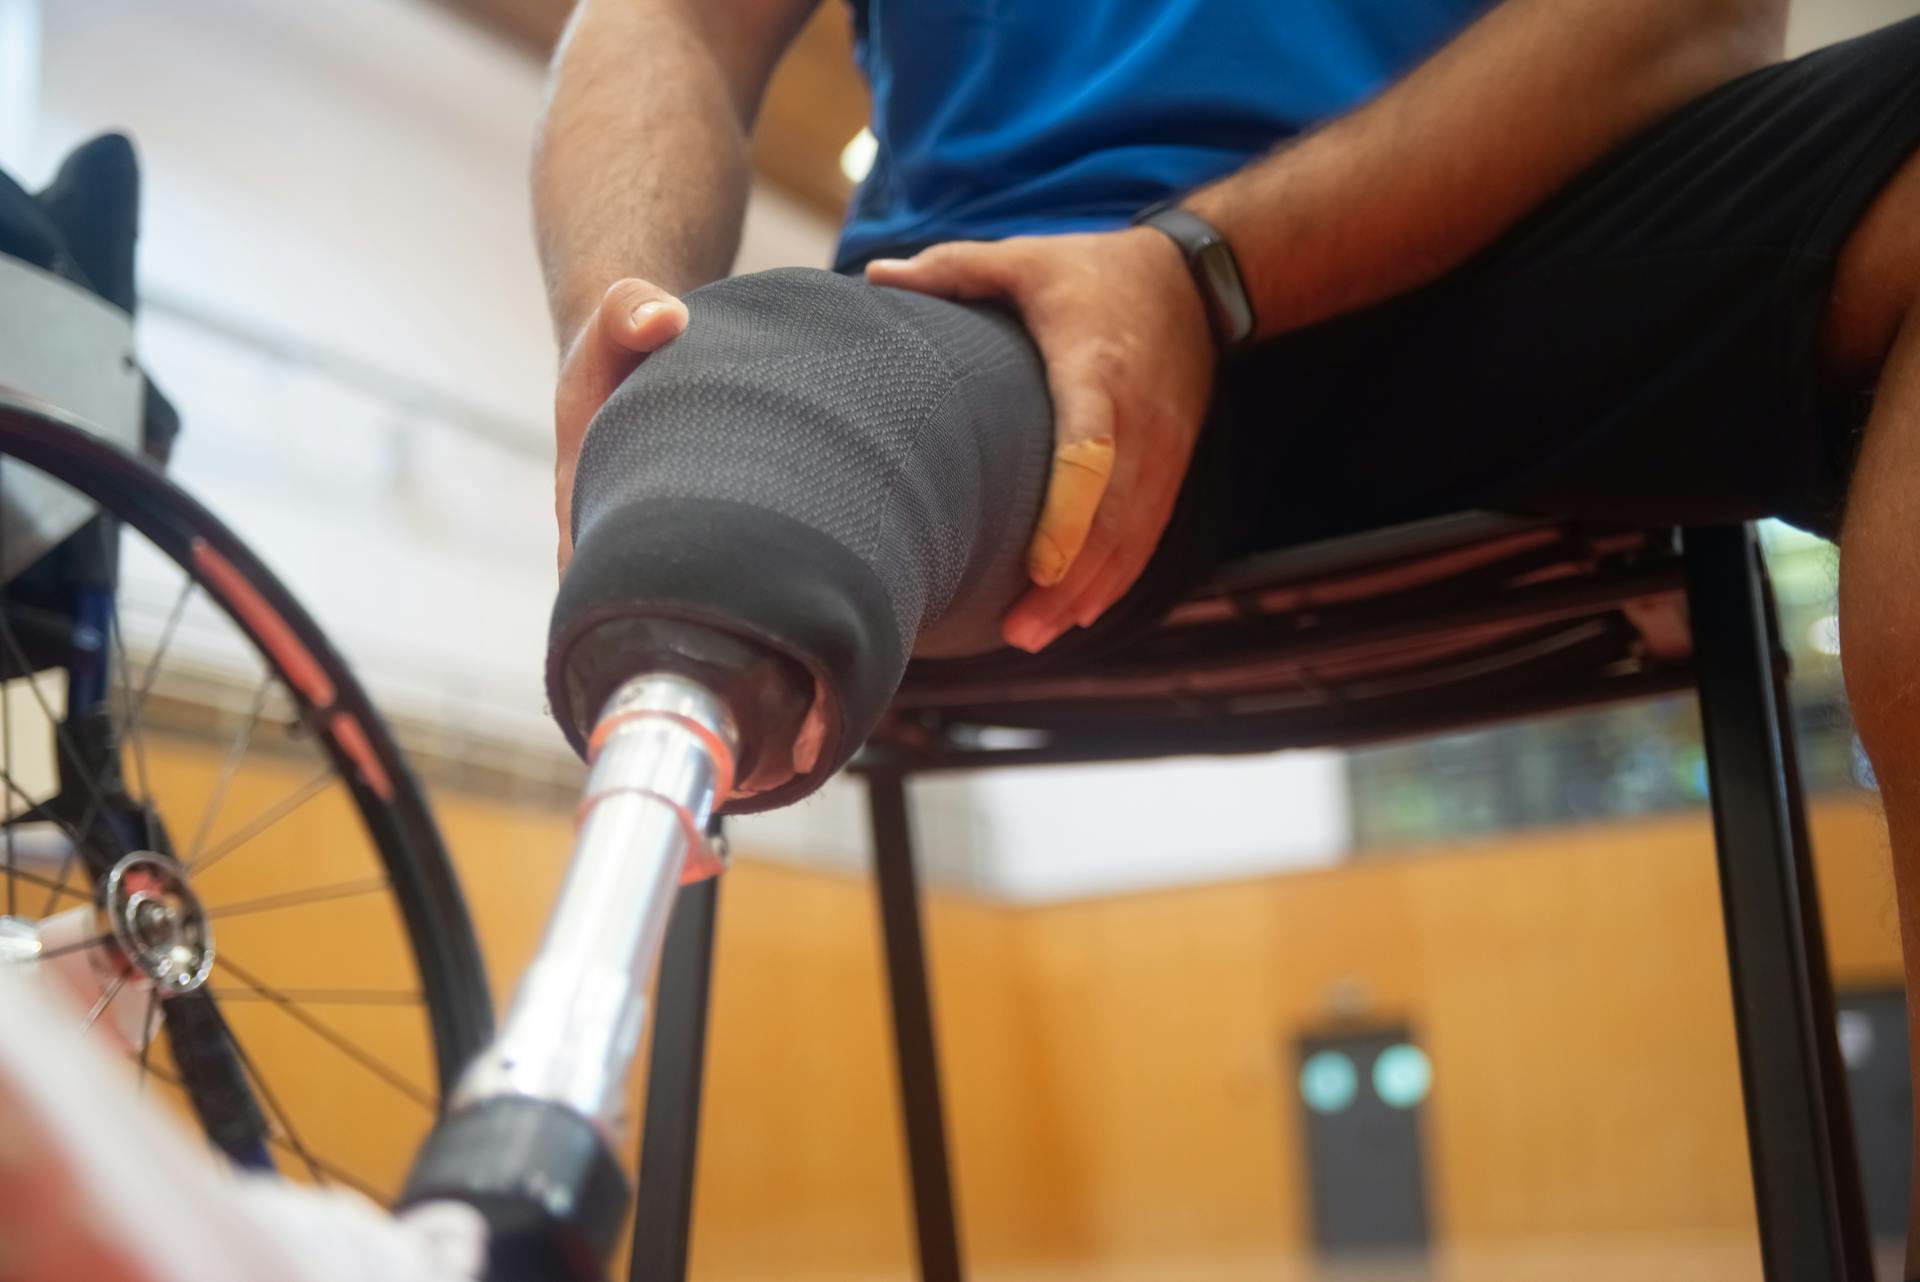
(253, 903)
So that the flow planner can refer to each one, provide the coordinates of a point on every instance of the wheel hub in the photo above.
(159, 922)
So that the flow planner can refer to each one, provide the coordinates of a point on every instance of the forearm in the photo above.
(1417, 181)
(641, 167)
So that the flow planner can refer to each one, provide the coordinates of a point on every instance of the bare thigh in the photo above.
(1876, 279)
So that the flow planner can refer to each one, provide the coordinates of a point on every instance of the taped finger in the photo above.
(1081, 471)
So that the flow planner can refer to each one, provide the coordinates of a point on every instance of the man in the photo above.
(1604, 258)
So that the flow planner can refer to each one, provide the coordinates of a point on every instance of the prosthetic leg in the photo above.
(815, 481)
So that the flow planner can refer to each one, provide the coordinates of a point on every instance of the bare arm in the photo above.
(640, 182)
(641, 168)
(1414, 183)
(1376, 203)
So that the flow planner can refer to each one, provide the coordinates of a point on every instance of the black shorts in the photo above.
(1641, 349)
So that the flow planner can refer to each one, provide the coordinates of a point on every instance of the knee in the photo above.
(1880, 637)
(1876, 282)
(817, 466)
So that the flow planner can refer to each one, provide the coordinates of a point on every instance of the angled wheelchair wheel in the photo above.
(210, 842)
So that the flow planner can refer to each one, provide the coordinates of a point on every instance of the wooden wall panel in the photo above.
(1121, 1090)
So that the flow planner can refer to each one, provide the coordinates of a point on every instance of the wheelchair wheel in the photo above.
(210, 840)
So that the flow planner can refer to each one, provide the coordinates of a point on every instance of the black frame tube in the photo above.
(1805, 1171)
(1805, 1175)
(1850, 1179)
(670, 1138)
(936, 1230)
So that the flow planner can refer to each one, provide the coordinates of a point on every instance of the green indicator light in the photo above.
(1328, 1081)
(1402, 1075)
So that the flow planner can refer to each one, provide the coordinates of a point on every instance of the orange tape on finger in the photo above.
(1081, 470)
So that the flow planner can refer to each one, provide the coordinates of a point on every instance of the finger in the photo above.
(1118, 575)
(1043, 613)
(1084, 510)
(1122, 544)
(959, 269)
(1082, 472)
(1078, 481)
(1121, 572)
(639, 316)
(1040, 616)
(635, 318)
(563, 509)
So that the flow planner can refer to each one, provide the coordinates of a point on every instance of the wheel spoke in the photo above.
(187, 586)
(266, 819)
(96, 803)
(235, 755)
(132, 723)
(42, 810)
(174, 1080)
(56, 887)
(294, 898)
(6, 716)
(96, 799)
(66, 867)
(128, 721)
(146, 1038)
(339, 1176)
(327, 996)
(106, 1000)
(266, 1093)
(6, 755)
(341, 1043)
(333, 1170)
(37, 810)
(75, 947)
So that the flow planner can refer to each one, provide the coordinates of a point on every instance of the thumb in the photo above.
(959, 269)
(638, 316)
(635, 317)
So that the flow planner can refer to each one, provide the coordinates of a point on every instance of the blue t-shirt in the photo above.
(1006, 117)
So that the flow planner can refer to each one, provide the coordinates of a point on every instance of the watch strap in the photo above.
(1215, 271)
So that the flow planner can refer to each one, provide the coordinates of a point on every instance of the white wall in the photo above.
(349, 173)
(1071, 831)
(1812, 23)
(347, 182)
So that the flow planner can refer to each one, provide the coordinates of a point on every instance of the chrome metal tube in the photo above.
(662, 758)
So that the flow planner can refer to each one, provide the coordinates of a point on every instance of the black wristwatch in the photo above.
(1215, 273)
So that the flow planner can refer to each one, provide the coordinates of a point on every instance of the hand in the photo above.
(1130, 365)
(633, 319)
